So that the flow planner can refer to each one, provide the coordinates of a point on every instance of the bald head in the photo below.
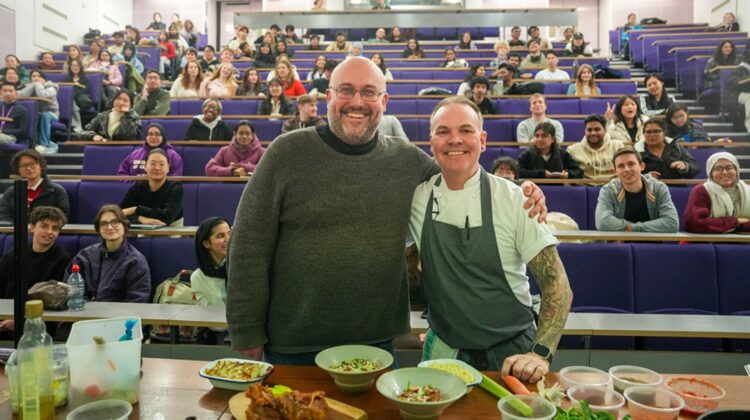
(356, 100)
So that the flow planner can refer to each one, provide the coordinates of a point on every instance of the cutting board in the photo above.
(336, 409)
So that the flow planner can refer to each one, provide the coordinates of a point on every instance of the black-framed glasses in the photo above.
(348, 92)
(728, 169)
(114, 223)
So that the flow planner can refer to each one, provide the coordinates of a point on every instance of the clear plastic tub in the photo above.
(111, 370)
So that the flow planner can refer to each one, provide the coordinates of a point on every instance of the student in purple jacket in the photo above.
(240, 157)
(113, 270)
(135, 162)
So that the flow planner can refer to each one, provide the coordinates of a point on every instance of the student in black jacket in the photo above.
(13, 121)
(31, 166)
(276, 103)
(546, 159)
(209, 125)
(156, 201)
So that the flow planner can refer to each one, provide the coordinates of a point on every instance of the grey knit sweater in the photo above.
(316, 257)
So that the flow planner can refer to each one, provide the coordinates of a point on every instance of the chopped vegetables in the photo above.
(515, 385)
(582, 411)
(420, 393)
(495, 389)
(553, 394)
(355, 365)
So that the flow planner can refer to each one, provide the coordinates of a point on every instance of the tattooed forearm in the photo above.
(556, 296)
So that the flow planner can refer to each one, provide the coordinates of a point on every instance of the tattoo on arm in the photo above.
(556, 296)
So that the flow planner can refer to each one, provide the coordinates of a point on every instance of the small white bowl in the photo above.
(584, 375)
(234, 384)
(625, 376)
(109, 409)
(477, 377)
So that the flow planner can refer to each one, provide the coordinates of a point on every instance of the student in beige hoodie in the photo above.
(595, 151)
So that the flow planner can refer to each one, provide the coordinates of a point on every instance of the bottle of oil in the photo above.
(35, 366)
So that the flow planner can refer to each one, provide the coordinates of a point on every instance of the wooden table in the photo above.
(172, 389)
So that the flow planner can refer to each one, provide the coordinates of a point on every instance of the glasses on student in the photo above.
(653, 132)
(111, 223)
(728, 169)
(367, 94)
(31, 165)
(153, 135)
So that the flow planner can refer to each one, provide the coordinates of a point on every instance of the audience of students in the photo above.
(157, 201)
(120, 123)
(526, 128)
(633, 202)
(664, 158)
(595, 152)
(113, 269)
(240, 157)
(12, 62)
(722, 203)
(546, 158)
(156, 137)
(49, 110)
(41, 191)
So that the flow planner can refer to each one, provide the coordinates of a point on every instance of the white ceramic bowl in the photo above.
(476, 376)
(234, 384)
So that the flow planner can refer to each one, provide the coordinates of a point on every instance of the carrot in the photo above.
(515, 385)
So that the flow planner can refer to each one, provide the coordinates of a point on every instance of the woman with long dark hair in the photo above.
(379, 61)
(546, 159)
(656, 100)
(680, 127)
(625, 120)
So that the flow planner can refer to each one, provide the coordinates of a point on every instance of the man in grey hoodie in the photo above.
(635, 202)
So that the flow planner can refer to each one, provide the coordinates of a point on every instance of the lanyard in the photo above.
(2, 123)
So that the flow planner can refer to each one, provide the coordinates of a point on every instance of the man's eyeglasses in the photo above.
(111, 223)
(728, 169)
(29, 165)
(367, 94)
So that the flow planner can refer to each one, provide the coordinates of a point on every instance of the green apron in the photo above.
(472, 309)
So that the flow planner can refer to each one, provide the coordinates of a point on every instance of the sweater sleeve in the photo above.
(61, 200)
(169, 210)
(606, 219)
(571, 165)
(126, 166)
(252, 162)
(19, 124)
(217, 167)
(114, 75)
(698, 214)
(138, 282)
(175, 163)
(522, 133)
(251, 251)
(162, 103)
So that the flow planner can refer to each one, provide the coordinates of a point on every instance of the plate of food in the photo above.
(264, 402)
(235, 374)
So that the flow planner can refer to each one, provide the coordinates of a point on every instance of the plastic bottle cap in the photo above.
(76, 268)
(34, 308)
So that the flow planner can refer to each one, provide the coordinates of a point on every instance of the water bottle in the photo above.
(76, 289)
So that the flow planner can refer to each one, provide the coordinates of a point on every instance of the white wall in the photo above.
(702, 11)
(7, 27)
(49, 24)
(195, 10)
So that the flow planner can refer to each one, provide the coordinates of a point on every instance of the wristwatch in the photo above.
(542, 351)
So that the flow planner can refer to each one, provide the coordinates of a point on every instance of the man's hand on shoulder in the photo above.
(529, 367)
(536, 201)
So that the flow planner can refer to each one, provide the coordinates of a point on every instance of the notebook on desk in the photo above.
(139, 226)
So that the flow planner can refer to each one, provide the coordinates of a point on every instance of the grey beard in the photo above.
(335, 123)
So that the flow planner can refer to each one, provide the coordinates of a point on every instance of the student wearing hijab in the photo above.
(209, 280)
(240, 157)
(722, 203)
(135, 162)
(209, 125)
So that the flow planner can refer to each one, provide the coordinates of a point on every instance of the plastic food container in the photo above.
(653, 403)
(699, 395)
(60, 377)
(584, 375)
(543, 409)
(625, 376)
(104, 409)
(105, 371)
(599, 399)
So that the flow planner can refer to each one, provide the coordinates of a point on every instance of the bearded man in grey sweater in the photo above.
(316, 258)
